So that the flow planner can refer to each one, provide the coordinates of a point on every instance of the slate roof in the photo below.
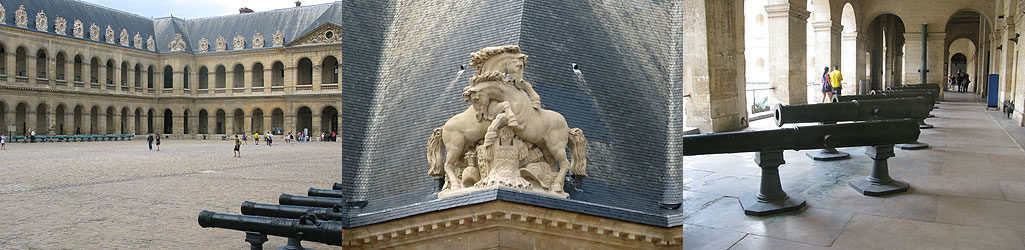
(403, 79)
(293, 22)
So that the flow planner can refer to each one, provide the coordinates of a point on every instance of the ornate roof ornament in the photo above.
(41, 21)
(3, 14)
(279, 39)
(94, 32)
(21, 17)
(327, 33)
(221, 44)
(151, 44)
(138, 40)
(60, 26)
(239, 43)
(124, 38)
(204, 45)
(109, 35)
(257, 41)
(76, 29)
(177, 44)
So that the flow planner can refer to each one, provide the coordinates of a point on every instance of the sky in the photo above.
(189, 9)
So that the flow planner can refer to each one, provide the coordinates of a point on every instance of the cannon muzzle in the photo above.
(325, 193)
(311, 201)
(290, 212)
(337, 186)
(804, 137)
(327, 232)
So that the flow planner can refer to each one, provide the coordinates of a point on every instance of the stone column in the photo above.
(316, 69)
(849, 62)
(827, 43)
(116, 78)
(101, 121)
(130, 127)
(289, 125)
(788, 59)
(10, 65)
(87, 73)
(229, 81)
(290, 80)
(179, 82)
(913, 55)
(247, 124)
(315, 126)
(177, 123)
(709, 76)
(268, 77)
(69, 72)
(30, 67)
(229, 122)
(248, 84)
(266, 123)
(158, 121)
(194, 123)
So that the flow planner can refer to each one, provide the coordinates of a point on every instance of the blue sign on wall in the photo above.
(994, 90)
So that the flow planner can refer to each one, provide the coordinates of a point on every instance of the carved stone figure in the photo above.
(3, 15)
(178, 44)
(239, 42)
(77, 29)
(124, 38)
(221, 44)
(151, 44)
(60, 26)
(257, 41)
(94, 32)
(41, 23)
(137, 40)
(515, 143)
(21, 17)
(204, 45)
(109, 35)
(279, 39)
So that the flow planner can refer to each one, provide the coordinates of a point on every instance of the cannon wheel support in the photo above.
(827, 153)
(878, 182)
(256, 240)
(770, 198)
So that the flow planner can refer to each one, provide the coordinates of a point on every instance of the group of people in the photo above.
(831, 83)
(959, 81)
(151, 139)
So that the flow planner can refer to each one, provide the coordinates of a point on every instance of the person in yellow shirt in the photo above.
(835, 78)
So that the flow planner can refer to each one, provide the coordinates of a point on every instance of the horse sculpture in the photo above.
(500, 98)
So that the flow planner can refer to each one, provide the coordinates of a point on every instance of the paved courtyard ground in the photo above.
(967, 192)
(119, 195)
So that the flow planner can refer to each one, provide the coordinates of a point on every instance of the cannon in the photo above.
(291, 212)
(311, 201)
(325, 193)
(935, 93)
(769, 145)
(857, 110)
(311, 229)
(337, 186)
(921, 122)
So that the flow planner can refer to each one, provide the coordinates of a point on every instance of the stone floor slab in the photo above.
(875, 232)
(984, 213)
(706, 238)
(812, 226)
(755, 242)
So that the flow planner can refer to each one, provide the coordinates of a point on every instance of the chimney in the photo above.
(297, 3)
(245, 10)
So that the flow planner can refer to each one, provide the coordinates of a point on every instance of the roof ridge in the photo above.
(265, 11)
(109, 8)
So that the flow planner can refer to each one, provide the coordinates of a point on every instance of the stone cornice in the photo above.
(786, 10)
(513, 216)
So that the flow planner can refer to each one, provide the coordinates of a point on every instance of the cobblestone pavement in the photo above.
(119, 195)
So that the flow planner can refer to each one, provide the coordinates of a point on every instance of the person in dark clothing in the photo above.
(158, 142)
(149, 139)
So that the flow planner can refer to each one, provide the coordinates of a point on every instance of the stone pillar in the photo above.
(268, 78)
(179, 82)
(69, 119)
(315, 126)
(101, 122)
(266, 123)
(827, 43)
(290, 80)
(788, 58)
(247, 124)
(116, 78)
(87, 73)
(194, 123)
(289, 125)
(709, 75)
(229, 81)
(316, 69)
(10, 66)
(130, 127)
(30, 68)
(69, 72)
(913, 56)
(178, 124)
(849, 62)
(158, 120)
(229, 122)
(248, 84)
(51, 117)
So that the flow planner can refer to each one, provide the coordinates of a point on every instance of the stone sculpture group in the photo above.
(504, 139)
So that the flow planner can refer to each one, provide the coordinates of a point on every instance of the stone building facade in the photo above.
(245, 73)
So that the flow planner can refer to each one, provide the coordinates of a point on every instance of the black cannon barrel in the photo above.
(337, 186)
(846, 98)
(857, 110)
(327, 232)
(325, 193)
(291, 212)
(286, 199)
(926, 86)
(804, 137)
(933, 92)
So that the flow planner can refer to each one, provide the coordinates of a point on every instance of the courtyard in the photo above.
(119, 195)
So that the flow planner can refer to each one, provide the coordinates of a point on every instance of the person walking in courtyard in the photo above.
(149, 139)
(270, 138)
(827, 87)
(245, 140)
(238, 143)
(256, 138)
(3, 142)
(158, 142)
(836, 78)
